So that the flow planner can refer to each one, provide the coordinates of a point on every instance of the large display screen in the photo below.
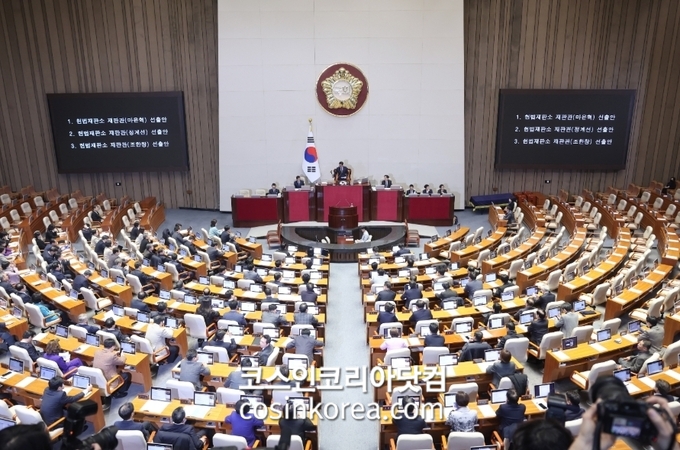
(564, 129)
(119, 132)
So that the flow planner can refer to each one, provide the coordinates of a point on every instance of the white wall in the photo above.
(271, 53)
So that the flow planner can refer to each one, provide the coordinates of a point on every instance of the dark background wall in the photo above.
(157, 45)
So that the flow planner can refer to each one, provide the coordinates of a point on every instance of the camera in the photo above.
(619, 414)
(106, 439)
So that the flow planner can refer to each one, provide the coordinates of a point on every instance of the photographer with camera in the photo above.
(614, 413)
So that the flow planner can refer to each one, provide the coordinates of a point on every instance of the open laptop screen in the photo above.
(543, 390)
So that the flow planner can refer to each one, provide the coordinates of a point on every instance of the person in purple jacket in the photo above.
(243, 423)
(52, 353)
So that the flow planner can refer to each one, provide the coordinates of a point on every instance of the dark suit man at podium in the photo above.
(274, 190)
(411, 190)
(341, 173)
(427, 190)
(386, 182)
(299, 182)
(442, 190)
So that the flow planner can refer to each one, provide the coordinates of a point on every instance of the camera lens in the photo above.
(609, 388)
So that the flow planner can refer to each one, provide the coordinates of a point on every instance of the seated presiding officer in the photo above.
(365, 236)
(274, 190)
(442, 190)
(341, 173)
(386, 182)
(299, 182)
(411, 190)
(427, 190)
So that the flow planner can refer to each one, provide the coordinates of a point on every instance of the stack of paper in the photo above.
(196, 411)
(25, 382)
(648, 381)
(155, 406)
(598, 347)
(414, 342)
(486, 410)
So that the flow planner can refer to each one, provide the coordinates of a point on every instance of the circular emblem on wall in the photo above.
(342, 89)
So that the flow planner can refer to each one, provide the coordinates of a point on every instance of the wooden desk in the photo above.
(299, 205)
(256, 211)
(635, 296)
(122, 295)
(435, 210)
(164, 279)
(562, 364)
(433, 248)
(253, 248)
(139, 364)
(387, 204)
(472, 251)
(671, 328)
(58, 298)
(504, 261)
(16, 327)
(29, 390)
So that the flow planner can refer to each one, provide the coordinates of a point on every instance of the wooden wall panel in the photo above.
(575, 44)
(59, 46)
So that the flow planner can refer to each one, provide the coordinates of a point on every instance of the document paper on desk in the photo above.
(560, 355)
(196, 411)
(414, 342)
(61, 299)
(40, 336)
(631, 338)
(673, 374)
(483, 365)
(155, 406)
(486, 410)
(598, 348)
(648, 381)
(25, 382)
(632, 389)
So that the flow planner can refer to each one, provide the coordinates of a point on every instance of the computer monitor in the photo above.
(289, 260)
(17, 312)
(120, 281)
(531, 291)
(579, 305)
(604, 335)
(248, 307)
(450, 400)
(297, 363)
(198, 258)
(569, 342)
(464, 282)
(6, 423)
(118, 311)
(229, 284)
(654, 367)
(387, 331)
(256, 288)
(526, 318)
(273, 333)
(315, 275)
(142, 317)
(449, 304)
(189, 299)
(261, 272)
(205, 357)
(312, 309)
(217, 303)
(47, 373)
(160, 268)
(236, 330)
(145, 262)
(544, 390)
(92, 339)
(266, 257)
(454, 266)
(171, 322)
(61, 331)
(73, 294)
(400, 362)
(205, 398)
(182, 253)
(254, 400)
(448, 360)
(80, 381)
(128, 347)
(463, 327)
(399, 259)
(499, 396)
(496, 322)
(285, 290)
(164, 295)
(634, 326)
(16, 365)
(238, 268)
(288, 274)
(430, 271)
(569, 276)
(492, 355)
(292, 249)
(203, 280)
(281, 308)
(506, 296)
(553, 312)
(479, 300)
(490, 277)
(618, 289)
(423, 257)
(623, 374)
(161, 394)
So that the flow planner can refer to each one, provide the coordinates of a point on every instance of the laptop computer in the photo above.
(92, 339)
(479, 300)
(80, 381)
(205, 398)
(526, 318)
(634, 326)
(254, 400)
(499, 396)
(531, 291)
(654, 367)
(490, 277)
(623, 374)
(448, 360)
(217, 303)
(128, 347)
(449, 304)
(203, 280)
(297, 363)
(570, 342)
(120, 281)
(16, 365)
(604, 335)
(273, 333)
(142, 317)
(544, 390)
(238, 268)
(463, 328)
(171, 322)
(492, 355)
(164, 295)
(423, 257)
(553, 312)
(400, 362)
(47, 373)
(429, 271)
(506, 296)
(496, 322)
(229, 284)
(205, 357)
(161, 394)
(248, 307)
(256, 288)
(189, 299)
(266, 257)
(61, 331)
(73, 294)
(118, 311)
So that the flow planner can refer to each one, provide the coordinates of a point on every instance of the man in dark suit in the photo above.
(299, 182)
(386, 294)
(271, 315)
(472, 285)
(448, 294)
(434, 339)
(234, 314)
(411, 292)
(426, 190)
(155, 258)
(214, 253)
(251, 274)
(411, 190)
(401, 252)
(386, 182)
(110, 327)
(135, 230)
(529, 306)
(510, 413)
(6, 285)
(179, 425)
(302, 317)
(414, 425)
(510, 334)
(81, 281)
(538, 328)
(304, 344)
(388, 315)
(545, 298)
(266, 350)
(502, 368)
(419, 314)
(229, 344)
(505, 279)
(21, 292)
(274, 190)
(442, 190)
(27, 344)
(143, 278)
(635, 362)
(475, 349)
(341, 173)
(54, 399)
(125, 412)
(308, 294)
(138, 302)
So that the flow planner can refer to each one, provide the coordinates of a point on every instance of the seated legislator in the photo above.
(386, 182)
(411, 190)
(308, 294)
(299, 182)
(304, 344)
(462, 418)
(394, 342)
(434, 339)
(107, 360)
(192, 370)
(510, 414)
(54, 399)
(302, 317)
(157, 333)
(274, 190)
(52, 352)
(386, 294)
(243, 423)
(179, 425)
(635, 362)
(125, 412)
(426, 190)
(388, 315)
(474, 349)
(442, 190)
(538, 328)
(341, 173)
(421, 313)
(509, 216)
(502, 368)
(410, 422)
(510, 334)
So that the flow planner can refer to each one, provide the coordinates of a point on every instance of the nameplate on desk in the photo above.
(25, 382)
(599, 348)
(486, 410)
(561, 355)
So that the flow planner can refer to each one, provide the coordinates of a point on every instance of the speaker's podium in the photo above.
(358, 195)
(342, 222)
